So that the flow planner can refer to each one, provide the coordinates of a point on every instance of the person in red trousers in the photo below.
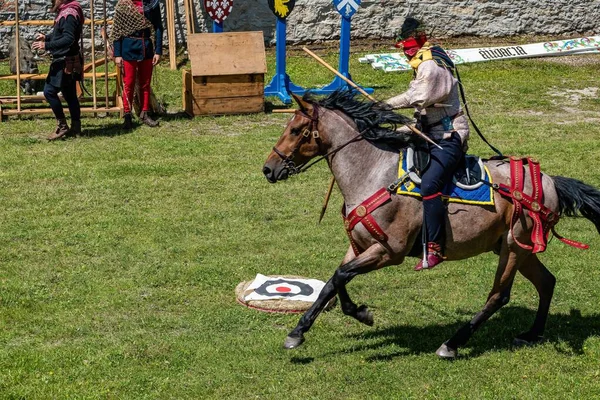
(135, 52)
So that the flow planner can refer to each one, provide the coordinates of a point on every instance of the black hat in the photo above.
(409, 28)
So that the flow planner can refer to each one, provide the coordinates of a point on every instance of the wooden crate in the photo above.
(227, 75)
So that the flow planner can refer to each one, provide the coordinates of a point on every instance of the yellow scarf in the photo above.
(424, 54)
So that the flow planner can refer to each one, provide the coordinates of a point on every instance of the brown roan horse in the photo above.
(359, 142)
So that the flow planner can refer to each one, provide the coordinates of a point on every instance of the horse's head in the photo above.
(298, 144)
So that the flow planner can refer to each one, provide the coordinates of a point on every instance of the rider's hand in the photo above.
(156, 59)
(382, 105)
(40, 37)
(119, 61)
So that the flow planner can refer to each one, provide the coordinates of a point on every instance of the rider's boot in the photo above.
(434, 257)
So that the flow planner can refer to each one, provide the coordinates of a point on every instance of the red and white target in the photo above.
(270, 288)
(218, 10)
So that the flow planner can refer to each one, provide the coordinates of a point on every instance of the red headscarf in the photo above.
(412, 45)
(69, 7)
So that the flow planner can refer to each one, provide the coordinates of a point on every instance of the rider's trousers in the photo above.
(441, 168)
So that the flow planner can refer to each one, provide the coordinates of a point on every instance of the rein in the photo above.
(306, 135)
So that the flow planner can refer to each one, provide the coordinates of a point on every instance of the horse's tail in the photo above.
(576, 197)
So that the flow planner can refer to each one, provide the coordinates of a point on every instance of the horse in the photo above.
(361, 144)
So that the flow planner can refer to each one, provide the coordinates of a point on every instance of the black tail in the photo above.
(576, 197)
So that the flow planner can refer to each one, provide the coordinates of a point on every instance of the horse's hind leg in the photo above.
(373, 258)
(544, 282)
(498, 297)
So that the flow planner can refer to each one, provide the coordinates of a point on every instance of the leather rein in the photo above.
(306, 135)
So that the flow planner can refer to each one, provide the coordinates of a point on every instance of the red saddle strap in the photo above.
(543, 218)
(362, 213)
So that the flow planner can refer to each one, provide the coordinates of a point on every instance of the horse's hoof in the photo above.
(365, 316)
(446, 353)
(291, 342)
(524, 341)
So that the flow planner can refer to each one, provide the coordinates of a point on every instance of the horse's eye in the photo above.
(295, 131)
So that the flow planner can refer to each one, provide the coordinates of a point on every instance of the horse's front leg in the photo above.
(373, 258)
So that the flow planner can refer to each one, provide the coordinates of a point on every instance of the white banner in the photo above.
(272, 288)
(393, 62)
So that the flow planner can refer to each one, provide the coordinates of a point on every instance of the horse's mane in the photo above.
(375, 118)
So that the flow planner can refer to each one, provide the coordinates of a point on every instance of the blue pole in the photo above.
(217, 27)
(281, 85)
(344, 65)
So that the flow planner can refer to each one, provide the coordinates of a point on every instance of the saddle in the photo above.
(469, 174)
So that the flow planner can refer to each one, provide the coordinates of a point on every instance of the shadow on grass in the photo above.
(181, 115)
(111, 129)
(567, 332)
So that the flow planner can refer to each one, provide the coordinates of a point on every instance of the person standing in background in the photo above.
(135, 52)
(66, 67)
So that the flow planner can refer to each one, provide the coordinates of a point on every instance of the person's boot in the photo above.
(61, 129)
(127, 122)
(145, 118)
(434, 257)
(75, 128)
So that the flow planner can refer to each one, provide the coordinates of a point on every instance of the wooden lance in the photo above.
(367, 95)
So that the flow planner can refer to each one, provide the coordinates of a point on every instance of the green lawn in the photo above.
(120, 253)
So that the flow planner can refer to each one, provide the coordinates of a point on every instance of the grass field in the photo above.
(120, 253)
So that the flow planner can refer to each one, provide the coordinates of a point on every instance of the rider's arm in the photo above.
(432, 85)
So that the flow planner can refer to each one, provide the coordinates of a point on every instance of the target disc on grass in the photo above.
(286, 294)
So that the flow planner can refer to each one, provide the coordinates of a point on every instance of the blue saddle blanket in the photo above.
(483, 195)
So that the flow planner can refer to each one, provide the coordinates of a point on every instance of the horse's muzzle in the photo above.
(273, 175)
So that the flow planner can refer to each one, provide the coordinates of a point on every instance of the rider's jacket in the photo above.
(434, 83)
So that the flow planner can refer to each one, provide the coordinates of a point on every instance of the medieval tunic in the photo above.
(66, 67)
(434, 84)
(63, 44)
(137, 51)
(138, 46)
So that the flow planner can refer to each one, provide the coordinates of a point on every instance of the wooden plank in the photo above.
(228, 53)
(232, 105)
(171, 35)
(228, 86)
(36, 99)
(36, 111)
(188, 17)
(42, 22)
(43, 76)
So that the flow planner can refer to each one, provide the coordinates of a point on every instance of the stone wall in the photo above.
(316, 20)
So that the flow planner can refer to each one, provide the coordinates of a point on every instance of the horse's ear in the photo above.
(304, 105)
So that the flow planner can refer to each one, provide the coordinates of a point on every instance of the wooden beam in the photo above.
(105, 38)
(36, 111)
(18, 45)
(170, 10)
(188, 17)
(93, 34)
(42, 22)
(43, 76)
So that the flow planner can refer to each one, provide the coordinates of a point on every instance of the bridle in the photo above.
(306, 135)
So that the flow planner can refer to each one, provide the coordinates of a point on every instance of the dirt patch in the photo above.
(574, 96)
(574, 60)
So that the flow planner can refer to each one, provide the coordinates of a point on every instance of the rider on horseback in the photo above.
(434, 93)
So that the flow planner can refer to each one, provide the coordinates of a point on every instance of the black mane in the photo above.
(376, 119)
